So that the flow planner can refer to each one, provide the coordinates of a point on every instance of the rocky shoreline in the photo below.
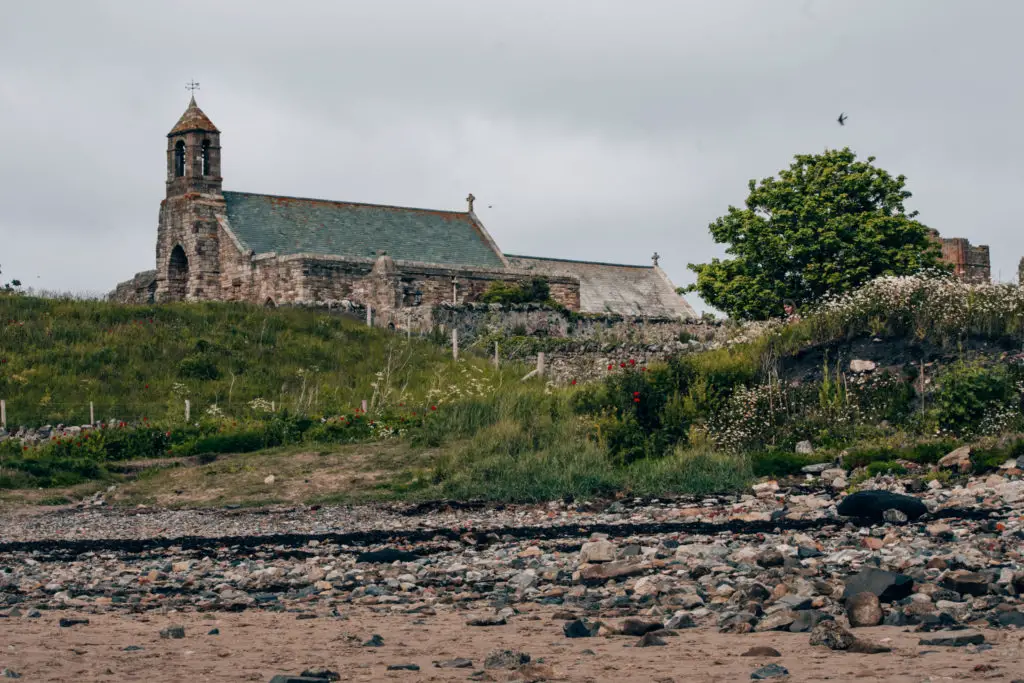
(946, 565)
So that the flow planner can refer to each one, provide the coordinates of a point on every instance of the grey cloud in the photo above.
(596, 129)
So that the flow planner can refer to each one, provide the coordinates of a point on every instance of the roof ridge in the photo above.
(342, 201)
(569, 260)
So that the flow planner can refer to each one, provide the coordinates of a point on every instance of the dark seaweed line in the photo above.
(363, 539)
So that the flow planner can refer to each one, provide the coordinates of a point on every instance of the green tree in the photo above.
(11, 286)
(827, 225)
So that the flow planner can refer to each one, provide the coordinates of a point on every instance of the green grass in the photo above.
(552, 456)
(144, 361)
(487, 434)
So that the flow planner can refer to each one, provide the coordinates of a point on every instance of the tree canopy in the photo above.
(828, 224)
(11, 286)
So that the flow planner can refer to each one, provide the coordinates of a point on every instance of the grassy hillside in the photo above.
(144, 361)
(701, 422)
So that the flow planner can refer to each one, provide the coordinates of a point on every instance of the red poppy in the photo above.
(636, 400)
(609, 366)
(144, 419)
(573, 382)
(147, 386)
(622, 365)
(24, 448)
(433, 407)
(636, 393)
(168, 434)
(632, 362)
(643, 369)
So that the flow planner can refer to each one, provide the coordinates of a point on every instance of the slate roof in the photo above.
(291, 225)
(614, 288)
(193, 119)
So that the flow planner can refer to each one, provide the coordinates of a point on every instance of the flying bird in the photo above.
(842, 119)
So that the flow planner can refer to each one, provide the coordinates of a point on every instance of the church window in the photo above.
(206, 157)
(179, 159)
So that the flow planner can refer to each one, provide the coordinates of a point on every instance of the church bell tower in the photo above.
(188, 235)
(193, 154)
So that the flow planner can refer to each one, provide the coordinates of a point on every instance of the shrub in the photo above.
(238, 442)
(885, 467)
(536, 290)
(198, 366)
(967, 393)
(774, 463)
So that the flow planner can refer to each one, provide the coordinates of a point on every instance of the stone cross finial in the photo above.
(655, 257)
(470, 199)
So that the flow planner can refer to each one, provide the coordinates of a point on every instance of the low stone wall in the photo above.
(576, 346)
(474, 321)
(141, 289)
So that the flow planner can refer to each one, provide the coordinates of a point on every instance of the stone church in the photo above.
(274, 250)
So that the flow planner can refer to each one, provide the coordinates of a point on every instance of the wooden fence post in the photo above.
(496, 361)
(188, 410)
(364, 406)
(92, 415)
(3, 414)
(369, 315)
(455, 344)
(537, 371)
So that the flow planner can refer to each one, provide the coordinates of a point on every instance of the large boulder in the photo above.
(873, 504)
(965, 582)
(597, 551)
(959, 459)
(887, 586)
(595, 574)
(831, 635)
(863, 609)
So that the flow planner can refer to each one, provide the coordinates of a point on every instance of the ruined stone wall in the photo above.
(970, 263)
(141, 289)
(576, 346)
(535, 320)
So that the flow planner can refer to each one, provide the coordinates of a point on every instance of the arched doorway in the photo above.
(269, 303)
(177, 274)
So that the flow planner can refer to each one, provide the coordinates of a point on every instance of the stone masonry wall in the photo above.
(576, 346)
(189, 221)
(308, 279)
(970, 262)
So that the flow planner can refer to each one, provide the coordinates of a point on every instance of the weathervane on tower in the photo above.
(193, 86)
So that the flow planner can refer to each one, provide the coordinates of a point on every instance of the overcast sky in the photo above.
(587, 129)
